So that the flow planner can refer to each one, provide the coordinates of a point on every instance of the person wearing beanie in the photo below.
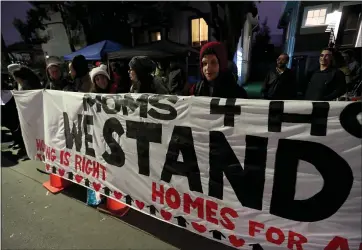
(140, 73)
(100, 79)
(80, 73)
(56, 80)
(217, 79)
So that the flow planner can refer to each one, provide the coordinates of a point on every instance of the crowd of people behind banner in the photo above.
(339, 74)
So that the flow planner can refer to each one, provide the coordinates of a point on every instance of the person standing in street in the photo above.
(140, 74)
(26, 79)
(279, 83)
(79, 71)
(328, 83)
(217, 79)
(354, 67)
(101, 80)
(56, 79)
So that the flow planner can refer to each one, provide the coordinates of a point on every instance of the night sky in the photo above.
(11, 10)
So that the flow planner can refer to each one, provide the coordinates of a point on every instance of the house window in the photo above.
(316, 15)
(155, 36)
(199, 32)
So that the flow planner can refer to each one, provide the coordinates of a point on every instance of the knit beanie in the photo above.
(101, 70)
(142, 65)
(80, 66)
(53, 61)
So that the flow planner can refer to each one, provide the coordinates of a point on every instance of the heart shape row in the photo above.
(234, 240)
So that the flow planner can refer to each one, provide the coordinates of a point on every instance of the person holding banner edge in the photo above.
(217, 80)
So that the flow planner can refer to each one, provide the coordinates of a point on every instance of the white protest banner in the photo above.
(272, 174)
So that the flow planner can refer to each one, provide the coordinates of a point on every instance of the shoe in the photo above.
(21, 153)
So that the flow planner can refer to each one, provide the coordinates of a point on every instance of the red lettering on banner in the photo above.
(338, 243)
(209, 213)
(157, 193)
(50, 154)
(275, 231)
(39, 157)
(78, 162)
(173, 198)
(64, 158)
(88, 169)
(295, 239)
(211, 208)
(40, 145)
(253, 227)
(83, 164)
(95, 170)
(197, 204)
(226, 222)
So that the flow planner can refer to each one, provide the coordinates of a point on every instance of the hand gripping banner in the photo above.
(272, 174)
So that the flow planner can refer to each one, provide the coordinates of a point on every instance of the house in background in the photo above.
(58, 42)
(309, 27)
(188, 29)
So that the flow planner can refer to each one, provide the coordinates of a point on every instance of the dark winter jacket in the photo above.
(144, 67)
(176, 80)
(57, 85)
(326, 85)
(279, 86)
(224, 86)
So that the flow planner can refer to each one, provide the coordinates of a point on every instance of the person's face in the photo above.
(71, 71)
(101, 81)
(282, 61)
(132, 75)
(210, 67)
(325, 58)
(54, 72)
(19, 80)
(346, 57)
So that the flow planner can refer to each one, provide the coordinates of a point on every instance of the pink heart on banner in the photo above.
(140, 204)
(235, 241)
(96, 186)
(78, 178)
(118, 195)
(61, 172)
(166, 215)
(198, 227)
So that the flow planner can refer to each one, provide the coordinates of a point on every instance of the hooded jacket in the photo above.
(83, 82)
(144, 67)
(59, 84)
(225, 85)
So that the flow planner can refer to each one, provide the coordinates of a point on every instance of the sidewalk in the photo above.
(35, 219)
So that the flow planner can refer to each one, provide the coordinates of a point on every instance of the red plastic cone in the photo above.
(116, 207)
(56, 184)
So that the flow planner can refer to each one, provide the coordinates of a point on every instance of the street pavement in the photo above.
(32, 218)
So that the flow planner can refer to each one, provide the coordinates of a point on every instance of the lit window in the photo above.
(199, 32)
(316, 17)
(155, 36)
